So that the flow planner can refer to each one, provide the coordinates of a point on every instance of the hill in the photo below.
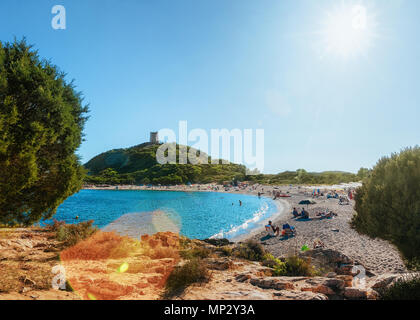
(138, 165)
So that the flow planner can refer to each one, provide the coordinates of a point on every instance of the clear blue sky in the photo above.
(277, 65)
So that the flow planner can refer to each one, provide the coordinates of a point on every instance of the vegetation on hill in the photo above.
(388, 203)
(41, 123)
(138, 165)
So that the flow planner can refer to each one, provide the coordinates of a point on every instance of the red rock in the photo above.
(355, 293)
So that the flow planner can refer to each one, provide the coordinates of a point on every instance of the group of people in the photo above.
(326, 214)
(303, 214)
(287, 229)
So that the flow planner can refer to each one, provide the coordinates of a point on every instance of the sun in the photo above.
(347, 30)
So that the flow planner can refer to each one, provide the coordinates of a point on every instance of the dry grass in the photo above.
(102, 245)
(14, 276)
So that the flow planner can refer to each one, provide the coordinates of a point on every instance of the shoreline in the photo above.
(281, 205)
(260, 225)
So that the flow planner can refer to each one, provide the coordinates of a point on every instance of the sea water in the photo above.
(197, 215)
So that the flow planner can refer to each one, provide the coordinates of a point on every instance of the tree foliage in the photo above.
(303, 177)
(41, 123)
(388, 203)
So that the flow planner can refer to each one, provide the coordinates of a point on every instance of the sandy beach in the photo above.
(378, 256)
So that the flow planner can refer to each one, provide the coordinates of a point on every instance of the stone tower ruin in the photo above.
(154, 138)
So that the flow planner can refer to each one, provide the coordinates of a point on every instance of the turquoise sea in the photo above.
(197, 215)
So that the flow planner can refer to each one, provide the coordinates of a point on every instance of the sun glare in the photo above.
(347, 30)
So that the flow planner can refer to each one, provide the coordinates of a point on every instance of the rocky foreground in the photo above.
(107, 267)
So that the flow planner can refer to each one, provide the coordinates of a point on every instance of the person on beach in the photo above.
(295, 213)
(304, 214)
(276, 229)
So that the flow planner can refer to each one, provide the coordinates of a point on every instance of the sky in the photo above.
(333, 84)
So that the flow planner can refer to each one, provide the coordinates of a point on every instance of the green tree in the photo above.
(388, 203)
(363, 173)
(41, 124)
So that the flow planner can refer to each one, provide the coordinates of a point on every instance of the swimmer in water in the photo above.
(240, 202)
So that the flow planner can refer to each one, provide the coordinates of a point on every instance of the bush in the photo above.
(296, 266)
(197, 252)
(407, 288)
(193, 271)
(226, 251)
(250, 250)
(71, 234)
(388, 203)
(291, 266)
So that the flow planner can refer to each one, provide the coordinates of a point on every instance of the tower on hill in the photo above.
(154, 138)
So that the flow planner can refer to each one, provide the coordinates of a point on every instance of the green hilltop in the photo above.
(138, 165)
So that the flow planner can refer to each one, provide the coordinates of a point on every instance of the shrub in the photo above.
(278, 266)
(291, 266)
(388, 203)
(71, 234)
(197, 252)
(226, 251)
(250, 250)
(296, 266)
(407, 288)
(193, 271)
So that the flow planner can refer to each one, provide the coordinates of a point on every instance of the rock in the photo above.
(335, 284)
(328, 259)
(319, 289)
(382, 281)
(25, 289)
(41, 245)
(355, 293)
(219, 264)
(28, 282)
(372, 295)
(259, 296)
(303, 295)
(242, 277)
(272, 283)
(348, 280)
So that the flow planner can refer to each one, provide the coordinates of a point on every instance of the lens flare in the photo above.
(348, 30)
(123, 268)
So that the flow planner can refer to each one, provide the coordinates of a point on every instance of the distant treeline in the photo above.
(301, 176)
(138, 165)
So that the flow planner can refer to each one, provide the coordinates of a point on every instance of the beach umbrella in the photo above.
(307, 202)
